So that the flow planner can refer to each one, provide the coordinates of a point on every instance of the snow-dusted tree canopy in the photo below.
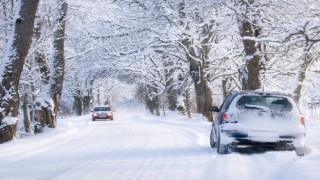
(141, 42)
(160, 51)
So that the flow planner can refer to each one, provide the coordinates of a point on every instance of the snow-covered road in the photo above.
(140, 146)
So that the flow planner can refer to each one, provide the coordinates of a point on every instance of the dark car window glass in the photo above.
(272, 102)
(102, 109)
(225, 105)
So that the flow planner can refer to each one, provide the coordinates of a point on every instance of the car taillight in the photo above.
(225, 116)
(302, 120)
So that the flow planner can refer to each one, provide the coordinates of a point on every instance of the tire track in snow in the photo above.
(188, 148)
(157, 151)
(131, 147)
(199, 138)
(99, 153)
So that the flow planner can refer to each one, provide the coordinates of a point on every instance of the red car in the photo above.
(102, 112)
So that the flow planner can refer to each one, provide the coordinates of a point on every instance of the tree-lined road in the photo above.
(137, 146)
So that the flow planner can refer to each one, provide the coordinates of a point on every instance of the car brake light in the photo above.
(302, 120)
(225, 116)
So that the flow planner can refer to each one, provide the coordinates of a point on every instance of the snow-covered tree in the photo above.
(12, 64)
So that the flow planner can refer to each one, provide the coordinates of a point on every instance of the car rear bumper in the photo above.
(260, 137)
(102, 117)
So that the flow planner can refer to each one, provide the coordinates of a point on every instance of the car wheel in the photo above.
(213, 138)
(299, 151)
(221, 148)
(93, 119)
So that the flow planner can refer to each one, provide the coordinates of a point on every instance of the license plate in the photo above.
(270, 134)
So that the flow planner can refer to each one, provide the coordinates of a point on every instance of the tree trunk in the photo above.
(40, 57)
(86, 104)
(77, 105)
(301, 77)
(43, 118)
(200, 80)
(204, 98)
(12, 64)
(252, 48)
(42, 113)
(198, 57)
(172, 94)
(224, 88)
(187, 102)
(26, 113)
(156, 105)
(202, 89)
(153, 103)
(98, 96)
(59, 61)
(87, 99)
(149, 104)
(7, 132)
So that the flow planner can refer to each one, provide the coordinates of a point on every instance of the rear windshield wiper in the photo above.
(258, 107)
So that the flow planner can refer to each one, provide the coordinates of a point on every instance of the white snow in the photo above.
(9, 120)
(137, 145)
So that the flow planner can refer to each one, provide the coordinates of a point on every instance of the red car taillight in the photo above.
(225, 116)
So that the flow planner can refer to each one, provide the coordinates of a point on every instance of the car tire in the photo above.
(299, 151)
(213, 138)
(221, 148)
(93, 119)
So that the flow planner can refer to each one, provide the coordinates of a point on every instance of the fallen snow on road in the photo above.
(137, 145)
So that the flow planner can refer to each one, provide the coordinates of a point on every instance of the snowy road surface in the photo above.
(140, 146)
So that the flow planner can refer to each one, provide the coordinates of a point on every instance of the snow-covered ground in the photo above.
(137, 145)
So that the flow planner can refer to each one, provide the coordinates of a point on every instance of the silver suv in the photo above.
(258, 118)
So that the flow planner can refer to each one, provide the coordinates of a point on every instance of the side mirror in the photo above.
(214, 109)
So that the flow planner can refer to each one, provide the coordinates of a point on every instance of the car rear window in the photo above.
(102, 109)
(272, 102)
